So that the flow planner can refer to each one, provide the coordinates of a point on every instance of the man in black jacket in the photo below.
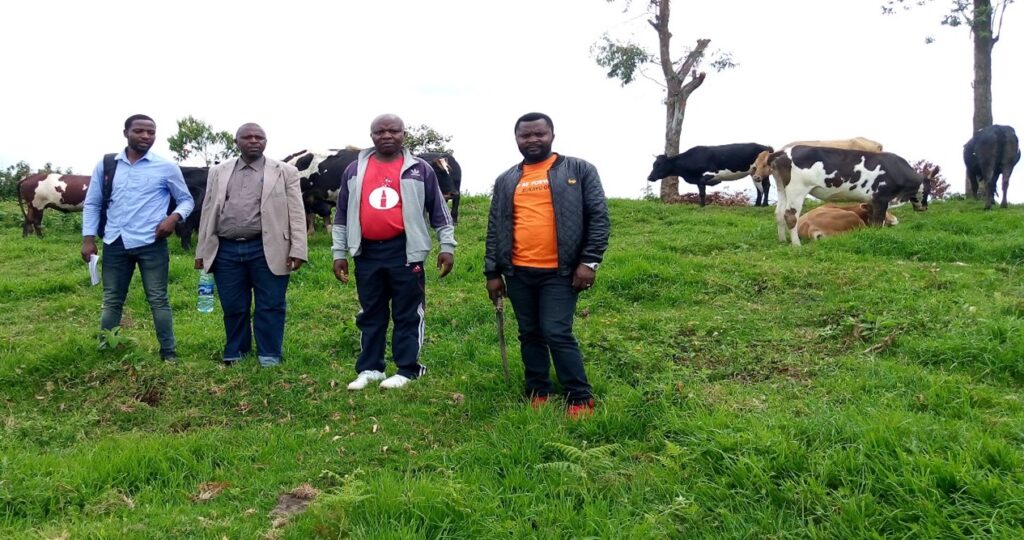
(547, 231)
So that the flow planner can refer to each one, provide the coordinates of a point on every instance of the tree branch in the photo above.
(691, 59)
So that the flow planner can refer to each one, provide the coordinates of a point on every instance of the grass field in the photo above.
(864, 386)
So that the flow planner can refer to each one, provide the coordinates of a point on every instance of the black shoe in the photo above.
(228, 363)
(170, 358)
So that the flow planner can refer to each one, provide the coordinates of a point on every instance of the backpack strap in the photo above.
(109, 168)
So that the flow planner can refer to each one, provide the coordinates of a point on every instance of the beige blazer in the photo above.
(281, 213)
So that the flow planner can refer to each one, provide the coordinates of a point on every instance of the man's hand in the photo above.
(198, 264)
(584, 278)
(341, 270)
(166, 227)
(495, 289)
(88, 247)
(445, 262)
(294, 263)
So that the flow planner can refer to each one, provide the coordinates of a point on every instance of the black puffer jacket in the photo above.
(581, 217)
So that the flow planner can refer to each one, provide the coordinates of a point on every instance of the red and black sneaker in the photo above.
(538, 401)
(576, 411)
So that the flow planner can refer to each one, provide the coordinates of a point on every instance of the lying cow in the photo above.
(761, 170)
(835, 174)
(37, 192)
(831, 220)
(709, 165)
(449, 178)
(991, 152)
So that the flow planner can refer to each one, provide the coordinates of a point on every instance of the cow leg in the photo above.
(455, 207)
(765, 189)
(876, 211)
(1006, 184)
(702, 190)
(780, 213)
(34, 221)
(310, 224)
(790, 211)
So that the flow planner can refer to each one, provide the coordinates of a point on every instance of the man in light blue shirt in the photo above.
(136, 229)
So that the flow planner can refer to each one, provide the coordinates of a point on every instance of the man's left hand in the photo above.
(294, 263)
(445, 262)
(584, 278)
(166, 227)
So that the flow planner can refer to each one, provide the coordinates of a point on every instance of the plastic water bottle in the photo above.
(205, 292)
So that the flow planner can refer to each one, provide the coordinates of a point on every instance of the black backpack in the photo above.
(109, 167)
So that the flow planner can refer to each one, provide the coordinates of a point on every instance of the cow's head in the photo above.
(661, 169)
(760, 170)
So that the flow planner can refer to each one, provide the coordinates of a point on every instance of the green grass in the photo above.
(865, 386)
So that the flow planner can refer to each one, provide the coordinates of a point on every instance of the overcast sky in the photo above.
(315, 73)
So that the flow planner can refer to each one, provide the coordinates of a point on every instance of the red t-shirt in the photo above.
(380, 210)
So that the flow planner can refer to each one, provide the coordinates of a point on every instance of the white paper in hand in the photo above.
(94, 276)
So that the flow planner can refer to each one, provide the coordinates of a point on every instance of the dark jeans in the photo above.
(385, 283)
(241, 272)
(545, 303)
(118, 268)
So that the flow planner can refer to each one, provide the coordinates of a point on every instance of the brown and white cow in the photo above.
(761, 170)
(832, 220)
(836, 174)
(36, 192)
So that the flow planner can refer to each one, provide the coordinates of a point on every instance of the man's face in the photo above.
(140, 135)
(251, 142)
(387, 135)
(534, 139)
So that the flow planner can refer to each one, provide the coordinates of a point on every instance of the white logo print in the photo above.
(383, 198)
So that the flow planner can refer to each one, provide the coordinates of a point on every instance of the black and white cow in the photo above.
(449, 177)
(709, 165)
(991, 152)
(320, 179)
(195, 180)
(836, 174)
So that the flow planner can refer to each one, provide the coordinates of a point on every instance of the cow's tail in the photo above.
(24, 214)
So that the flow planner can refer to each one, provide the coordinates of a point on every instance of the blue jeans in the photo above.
(544, 303)
(241, 272)
(118, 267)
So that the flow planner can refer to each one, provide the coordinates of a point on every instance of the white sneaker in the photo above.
(364, 379)
(395, 381)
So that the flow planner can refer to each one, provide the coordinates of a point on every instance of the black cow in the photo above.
(836, 174)
(990, 152)
(320, 179)
(709, 165)
(449, 177)
(195, 180)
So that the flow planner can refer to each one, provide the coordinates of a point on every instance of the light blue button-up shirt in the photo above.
(139, 199)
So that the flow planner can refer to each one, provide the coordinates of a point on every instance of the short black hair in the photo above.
(530, 117)
(134, 117)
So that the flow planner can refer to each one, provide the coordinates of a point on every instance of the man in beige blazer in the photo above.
(252, 236)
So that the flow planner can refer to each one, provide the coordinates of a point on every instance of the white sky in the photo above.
(315, 73)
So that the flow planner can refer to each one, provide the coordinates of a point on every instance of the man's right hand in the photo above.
(341, 270)
(198, 264)
(495, 289)
(88, 248)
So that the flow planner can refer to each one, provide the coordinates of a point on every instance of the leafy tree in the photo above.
(197, 138)
(985, 19)
(423, 138)
(624, 60)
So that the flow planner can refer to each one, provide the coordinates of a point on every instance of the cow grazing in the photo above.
(449, 178)
(195, 180)
(991, 152)
(708, 165)
(831, 220)
(761, 170)
(320, 179)
(36, 192)
(835, 174)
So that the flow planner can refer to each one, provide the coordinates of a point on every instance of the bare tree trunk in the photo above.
(982, 29)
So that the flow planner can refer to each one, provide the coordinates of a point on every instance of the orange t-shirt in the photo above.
(535, 241)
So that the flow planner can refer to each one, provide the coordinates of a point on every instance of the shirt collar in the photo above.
(255, 165)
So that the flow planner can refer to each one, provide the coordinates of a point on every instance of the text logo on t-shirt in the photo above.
(383, 198)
